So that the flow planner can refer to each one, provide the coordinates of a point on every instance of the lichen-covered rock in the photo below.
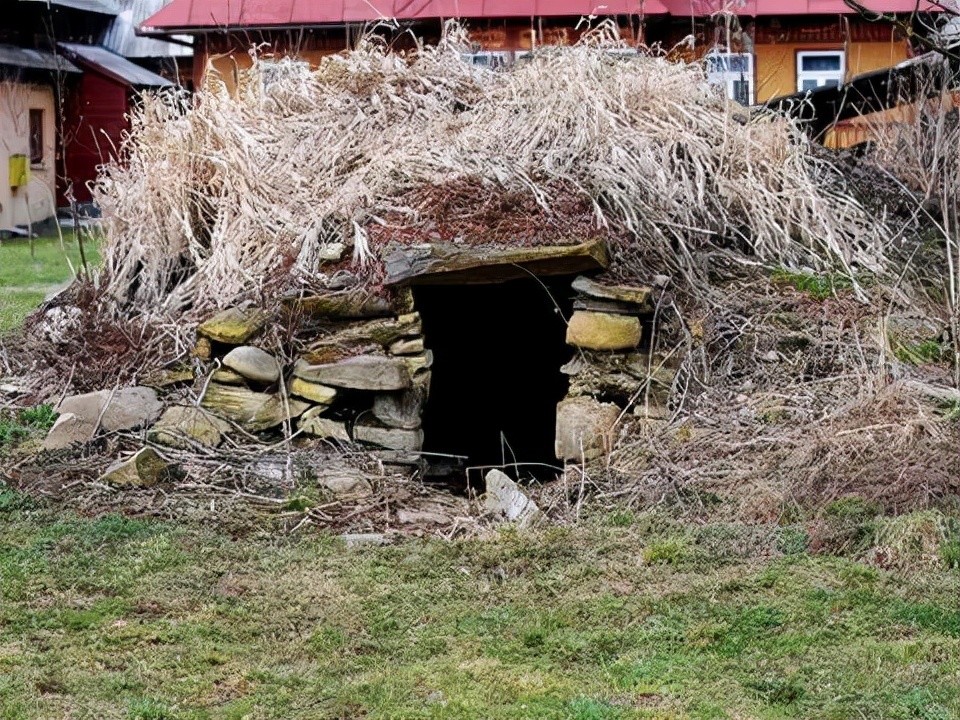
(184, 426)
(625, 377)
(391, 438)
(253, 363)
(203, 349)
(584, 428)
(504, 499)
(401, 409)
(168, 378)
(145, 469)
(331, 251)
(634, 295)
(233, 326)
(382, 332)
(364, 372)
(416, 364)
(345, 482)
(254, 411)
(407, 346)
(224, 376)
(314, 392)
(451, 263)
(603, 331)
(312, 423)
(342, 306)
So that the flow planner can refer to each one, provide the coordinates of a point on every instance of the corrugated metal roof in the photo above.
(792, 7)
(121, 36)
(213, 14)
(113, 65)
(103, 7)
(14, 56)
(199, 15)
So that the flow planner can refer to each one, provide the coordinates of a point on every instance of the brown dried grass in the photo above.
(784, 404)
(218, 198)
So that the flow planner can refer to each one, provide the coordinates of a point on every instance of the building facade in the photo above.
(754, 49)
(27, 136)
(64, 101)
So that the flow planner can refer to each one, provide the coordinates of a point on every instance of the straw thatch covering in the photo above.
(226, 198)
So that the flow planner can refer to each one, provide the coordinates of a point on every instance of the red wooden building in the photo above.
(97, 113)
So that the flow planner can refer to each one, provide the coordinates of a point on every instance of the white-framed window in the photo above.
(490, 59)
(734, 73)
(820, 68)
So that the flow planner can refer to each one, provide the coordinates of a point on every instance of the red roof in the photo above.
(200, 15)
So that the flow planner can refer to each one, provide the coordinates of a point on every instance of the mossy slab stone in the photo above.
(254, 411)
(233, 326)
(633, 295)
(364, 372)
(185, 426)
(341, 306)
(325, 428)
(383, 332)
(314, 392)
(449, 263)
(145, 469)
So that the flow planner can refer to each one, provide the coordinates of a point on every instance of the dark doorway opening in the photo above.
(496, 372)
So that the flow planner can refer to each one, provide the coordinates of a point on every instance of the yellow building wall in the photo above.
(36, 201)
(776, 65)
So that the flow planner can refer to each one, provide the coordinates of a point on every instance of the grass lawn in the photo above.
(25, 280)
(617, 618)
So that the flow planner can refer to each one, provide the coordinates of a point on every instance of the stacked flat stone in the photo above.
(607, 328)
(365, 348)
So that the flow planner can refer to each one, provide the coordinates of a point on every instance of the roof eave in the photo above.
(164, 33)
(92, 66)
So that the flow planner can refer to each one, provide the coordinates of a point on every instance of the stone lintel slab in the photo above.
(446, 263)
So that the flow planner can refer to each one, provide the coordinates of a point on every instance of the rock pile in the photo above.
(81, 417)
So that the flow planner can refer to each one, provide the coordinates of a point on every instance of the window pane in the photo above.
(739, 63)
(716, 63)
(741, 92)
(832, 82)
(820, 63)
(36, 136)
(809, 85)
(721, 63)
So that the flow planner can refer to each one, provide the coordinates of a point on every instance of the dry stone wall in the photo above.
(361, 378)
(367, 379)
(610, 375)
(359, 370)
